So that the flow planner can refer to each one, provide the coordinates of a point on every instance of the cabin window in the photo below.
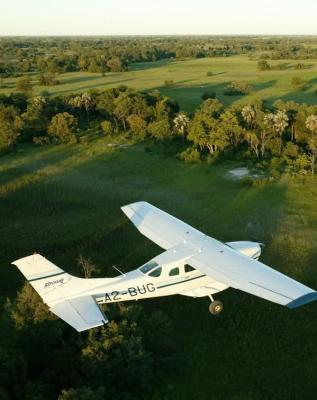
(148, 267)
(156, 272)
(174, 271)
(188, 268)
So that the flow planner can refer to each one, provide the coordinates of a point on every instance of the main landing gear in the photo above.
(215, 306)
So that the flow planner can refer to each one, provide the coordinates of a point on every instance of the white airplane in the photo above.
(193, 264)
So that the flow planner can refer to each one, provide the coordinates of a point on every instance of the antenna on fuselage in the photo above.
(117, 269)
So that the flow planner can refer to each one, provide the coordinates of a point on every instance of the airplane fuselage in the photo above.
(135, 286)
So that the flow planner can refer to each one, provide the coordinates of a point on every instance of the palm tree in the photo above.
(280, 122)
(248, 114)
(311, 123)
(181, 122)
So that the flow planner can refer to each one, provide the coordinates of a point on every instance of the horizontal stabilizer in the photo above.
(81, 313)
(37, 267)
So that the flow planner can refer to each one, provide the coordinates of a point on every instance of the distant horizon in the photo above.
(169, 35)
(144, 18)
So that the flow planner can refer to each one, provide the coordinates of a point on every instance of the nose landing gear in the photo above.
(215, 306)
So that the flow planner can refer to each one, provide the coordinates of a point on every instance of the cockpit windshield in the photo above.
(148, 267)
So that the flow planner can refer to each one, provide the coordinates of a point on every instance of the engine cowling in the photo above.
(250, 249)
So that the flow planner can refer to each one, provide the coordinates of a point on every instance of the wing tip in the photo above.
(302, 300)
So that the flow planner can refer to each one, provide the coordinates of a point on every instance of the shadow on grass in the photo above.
(263, 85)
(79, 79)
(299, 96)
(150, 65)
(93, 86)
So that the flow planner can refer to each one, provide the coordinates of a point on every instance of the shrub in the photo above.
(263, 65)
(190, 155)
(48, 80)
(208, 95)
(61, 128)
(209, 73)
(237, 88)
(298, 83)
(168, 82)
(107, 127)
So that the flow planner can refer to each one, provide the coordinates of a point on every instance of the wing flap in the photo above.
(81, 313)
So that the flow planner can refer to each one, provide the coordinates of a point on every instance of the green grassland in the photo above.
(190, 80)
(63, 201)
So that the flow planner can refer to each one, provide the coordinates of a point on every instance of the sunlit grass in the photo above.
(191, 80)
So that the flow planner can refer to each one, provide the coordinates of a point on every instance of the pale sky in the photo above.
(146, 17)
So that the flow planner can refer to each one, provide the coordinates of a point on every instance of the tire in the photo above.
(215, 307)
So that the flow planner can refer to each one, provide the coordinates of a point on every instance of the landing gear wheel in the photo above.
(215, 307)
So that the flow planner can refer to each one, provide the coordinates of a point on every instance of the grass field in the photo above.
(190, 80)
(63, 201)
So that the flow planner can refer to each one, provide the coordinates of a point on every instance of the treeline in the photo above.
(43, 358)
(282, 137)
(103, 54)
(64, 119)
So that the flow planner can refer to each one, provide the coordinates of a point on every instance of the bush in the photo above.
(208, 95)
(263, 65)
(48, 80)
(238, 89)
(168, 82)
(62, 127)
(209, 73)
(107, 127)
(298, 83)
(190, 155)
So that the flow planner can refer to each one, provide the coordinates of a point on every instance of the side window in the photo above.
(156, 272)
(147, 267)
(174, 271)
(188, 268)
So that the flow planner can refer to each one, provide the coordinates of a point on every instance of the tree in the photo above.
(211, 107)
(123, 108)
(87, 266)
(117, 353)
(10, 126)
(24, 85)
(84, 393)
(181, 122)
(248, 114)
(229, 127)
(29, 308)
(138, 126)
(206, 131)
(311, 124)
(62, 127)
(116, 65)
(83, 101)
(277, 124)
(34, 120)
(160, 130)
(87, 103)
(48, 79)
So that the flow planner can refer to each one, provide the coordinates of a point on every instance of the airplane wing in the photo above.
(160, 227)
(81, 313)
(218, 260)
(249, 275)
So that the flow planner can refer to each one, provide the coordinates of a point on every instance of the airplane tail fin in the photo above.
(58, 290)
